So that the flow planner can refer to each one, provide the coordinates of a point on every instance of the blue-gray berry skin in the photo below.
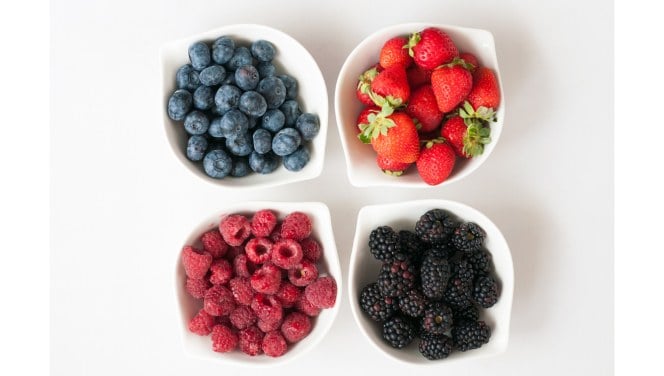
(227, 98)
(262, 141)
(296, 160)
(291, 86)
(196, 147)
(286, 141)
(179, 104)
(199, 55)
(240, 144)
(215, 128)
(204, 98)
(241, 57)
(252, 104)
(263, 163)
(263, 50)
(273, 90)
(240, 167)
(196, 123)
(246, 77)
(230, 79)
(217, 164)
(266, 69)
(222, 49)
(233, 123)
(291, 110)
(212, 75)
(187, 78)
(273, 120)
(253, 121)
(308, 125)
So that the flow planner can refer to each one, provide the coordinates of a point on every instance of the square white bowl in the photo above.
(291, 58)
(201, 346)
(364, 270)
(361, 158)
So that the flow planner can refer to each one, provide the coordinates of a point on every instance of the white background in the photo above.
(121, 203)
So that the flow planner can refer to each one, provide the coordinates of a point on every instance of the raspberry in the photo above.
(196, 262)
(197, 287)
(266, 279)
(267, 308)
(223, 339)
(242, 317)
(303, 273)
(218, 301)
(222, 272)
(322, 293)
(296, 225)
(235, 229)
(311, 249)
(295, 327)
(275, 236)
(251, 340)
(242, 291)
(214, 243)
(263, 222)
(233, 252)
(286, 253)
(242, 267)
(222, 320)
(202, 323)
(258, 250)
(268, 326)
(288, 294)
(274, 344)
(303, 305)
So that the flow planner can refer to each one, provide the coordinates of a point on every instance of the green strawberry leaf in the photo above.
(412, 42)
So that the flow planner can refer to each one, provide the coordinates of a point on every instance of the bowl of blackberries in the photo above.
(431, 282)
(244, 106)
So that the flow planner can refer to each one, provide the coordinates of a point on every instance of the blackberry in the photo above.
(480, 261)
(412, 303)
(468, 237)
(438, 318)
(469, 313)
(435, 273)
(411, 245)
(470, 335)
(435, 226)
(444, 250)
(397, 277)
(485, 292)
(378, 307)
(460, 287)
(384, 244)
(435, 347)
(399, 332)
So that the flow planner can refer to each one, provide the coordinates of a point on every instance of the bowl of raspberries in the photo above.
(258, 283)
(244, 106)
(419, 105)
(431, 281)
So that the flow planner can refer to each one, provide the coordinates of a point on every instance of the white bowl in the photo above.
(291, 58)
(361, 158)
(364, 270)
(201, 346)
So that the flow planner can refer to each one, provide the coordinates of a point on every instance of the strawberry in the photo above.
(393, 53)
(391, 167)
(391, 86)
(467, 140)
(392, 135)
(470, 59)
(417, 76)
(431, 47)
(364, 85)
(363, 117)
(485, 92)
(451, 84)
(436, 162)
(423, 107)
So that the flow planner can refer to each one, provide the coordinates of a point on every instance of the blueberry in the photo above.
(222, 49)
(296, 160)
(291, 86)
(252, 122)
(246, 77)
(199, 55)
(262, 140)
(230, 79)
(241, 57)
(286, 141)
(227, 97)
(240, 167)
(291, 110)
(308, 125)
(262, 50)
(252, 104)
(217, 164)
(266, 69)
(233, 123)
(240, 144)
(196, 147)
(273, 120)
(204, 98)
(273, 90)
(179, 104)
(263, 163)
(212, 75)
(196, 123)
(187, 78)
(215, 128)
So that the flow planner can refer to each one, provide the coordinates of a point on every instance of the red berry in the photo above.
(274, 344)
(242, 267)
(268, 326)
(241, 289)
(296, 225)
(266, 279)
(417, 76)
(390, 167)
(303, 305)
(303, 273)
(263, 222)
(221, 272)
(197, 287)
(393, 53)
(214, 243)
(223, 339)
(218, 301)
(242, 317)
(322, 293)
(202, 323)
(392, 82)
(364, 84)
(251, 340)
(436, 162)
(423, 107)
(267, 308)
(432, 47)
(295, 327)
(233, 252)
(451, 85)
(235, 229)
(258, 250)
(311, 249)
(286, 253)
(196, 262)
(485, 91)
(275, 236)
(288, 294)
(363, 117)
(470, 59)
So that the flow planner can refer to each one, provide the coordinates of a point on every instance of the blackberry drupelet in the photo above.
(412, 303)
(480, 261)
(384, 244)
(460, 287)
(485, 292)
(434, 273)
(411, 245)
(435, 226)
(469, 313)
(397, 277)
(443, 250)
(399, 331)
(470, 335)
(435, 347)
(378, 307)
(468, 237)
(438, 318)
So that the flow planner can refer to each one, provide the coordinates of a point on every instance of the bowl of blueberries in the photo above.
(244, 106)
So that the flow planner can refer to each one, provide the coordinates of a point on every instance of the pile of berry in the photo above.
(239, 115)
(258, 282)
(426, 103)
(432, 285)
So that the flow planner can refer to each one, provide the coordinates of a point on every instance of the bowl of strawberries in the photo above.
(419, 105)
